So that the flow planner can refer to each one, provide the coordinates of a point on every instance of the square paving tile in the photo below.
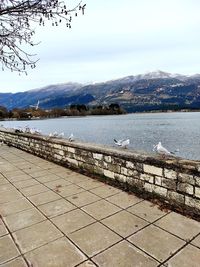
(124, 200)
(156, 242)
(179, 225)
(72, 221)
(9, 195)
(57, 184)
(61, 253)
(47, 178)
(26, 183)
(101, 209)
(43, 198)
(36, 235)
(33, 190)
(83, 198)
(147, 211)
(94, 238)
(56, 208)
(105, 191)
(15, 206)
(90, 184)
(124, 223)
(125, 255)
(3, 230)
(11, 174)
(8, 249)
(196, 241)
(69, 190)
(23, 219)
(187, 257)
(17, 262)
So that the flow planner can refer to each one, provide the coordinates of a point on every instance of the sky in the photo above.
(114, 39)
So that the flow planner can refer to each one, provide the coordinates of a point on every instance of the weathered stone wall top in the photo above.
(173, 179)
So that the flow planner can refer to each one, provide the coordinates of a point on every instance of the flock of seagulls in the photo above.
(123, 143)
(27, 129)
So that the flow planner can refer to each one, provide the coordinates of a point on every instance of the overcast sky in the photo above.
(114, 39)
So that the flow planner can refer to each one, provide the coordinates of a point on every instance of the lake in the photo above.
(180, 130)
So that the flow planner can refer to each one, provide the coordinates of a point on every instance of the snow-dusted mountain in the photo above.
(153, 90)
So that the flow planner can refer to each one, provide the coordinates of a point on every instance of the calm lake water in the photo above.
(175, 130)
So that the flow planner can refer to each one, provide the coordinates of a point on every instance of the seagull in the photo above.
(161, 150)
(55, 134)
(122, 143)
(35, 131)
(71, 137)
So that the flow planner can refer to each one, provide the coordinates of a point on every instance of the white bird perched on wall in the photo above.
(55, 134)
(122, 143)
(161, 150)
(71, 137)
(35, 131)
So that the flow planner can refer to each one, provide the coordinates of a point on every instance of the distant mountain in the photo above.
(151, 91)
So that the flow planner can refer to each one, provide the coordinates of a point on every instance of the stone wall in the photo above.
(173, 180)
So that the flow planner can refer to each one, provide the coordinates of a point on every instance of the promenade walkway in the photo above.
(51, 216)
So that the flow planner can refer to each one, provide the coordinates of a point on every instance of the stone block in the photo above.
(120, 162)
(139, 167)
(108, 159)
(97, 156)
(130, 165)
(153, 170)
(120, 177)
(160, 190)
(148, 187)
(197, 192)
(147, 178)
(71, 149)
(72, 161)
(124, 171)
(114, 168)
(168, 183)
(197, 180)
(186, 178)
(170, 174)
(192, 202)
(134, 173)
(185, 188)
(98, 170)
(109, 174)
(61, 152)
(56, 146)
(180, 198)
(158, 180)
(56, 156)
(135, 182)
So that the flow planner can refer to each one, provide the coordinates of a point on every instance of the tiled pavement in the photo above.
(53, 217)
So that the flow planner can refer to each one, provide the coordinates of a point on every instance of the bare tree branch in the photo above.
(16, 18)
